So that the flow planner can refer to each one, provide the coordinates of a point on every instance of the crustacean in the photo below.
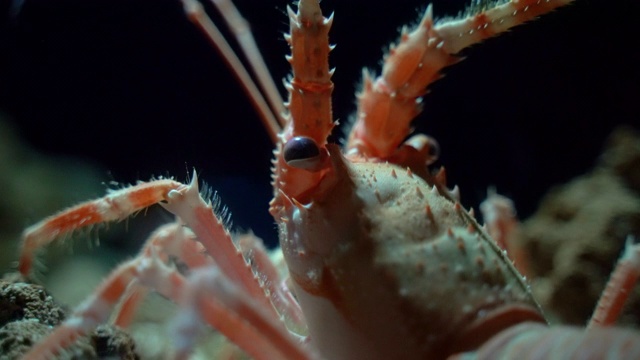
(383, 261)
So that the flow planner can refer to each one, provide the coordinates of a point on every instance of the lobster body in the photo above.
(385, 266)
(385, 262)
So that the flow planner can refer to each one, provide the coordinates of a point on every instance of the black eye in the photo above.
(302, 152)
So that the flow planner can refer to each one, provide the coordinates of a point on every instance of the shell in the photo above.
(398, 268)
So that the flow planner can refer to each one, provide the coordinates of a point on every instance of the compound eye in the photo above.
(302, 152)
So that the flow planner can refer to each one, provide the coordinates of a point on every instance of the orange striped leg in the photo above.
(232, 273)
(483, 23)
(388, 103)
(91, 313)
(187, 204)
(619, 286)
(131, 300)
(117, 205)
(207, 295)
(212, 297)
(177, 241)
(168, 240)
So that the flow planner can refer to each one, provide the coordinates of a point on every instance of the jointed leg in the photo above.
(233, 300)
(117, 205)
(208, 294)
(169, 240)
(499, 215)
(210, 231)
(619, 287)
(91, 313)
(234, 314)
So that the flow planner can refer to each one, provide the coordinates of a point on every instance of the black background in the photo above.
(133, 86)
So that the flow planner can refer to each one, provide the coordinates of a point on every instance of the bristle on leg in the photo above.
(117, 205)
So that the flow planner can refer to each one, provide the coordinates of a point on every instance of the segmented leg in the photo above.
(499, 216)
(387, 104)
(206, 295)
(91, 313)
(168, 240)
(117, 205)
(222, 290)
(247, 325)
(619, 287)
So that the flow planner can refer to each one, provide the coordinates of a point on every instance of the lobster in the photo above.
(382, 259)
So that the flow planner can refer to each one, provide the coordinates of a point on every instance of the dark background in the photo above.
(134, 87)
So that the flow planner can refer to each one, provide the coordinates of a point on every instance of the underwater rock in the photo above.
(576, 236)
(28, 313)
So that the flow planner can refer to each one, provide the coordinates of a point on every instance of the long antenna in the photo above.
(242, 32)
(197, 15)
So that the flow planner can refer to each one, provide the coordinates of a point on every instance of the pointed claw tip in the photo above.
(427, 19)
(329, 20)
(194, 176)
(193, 184)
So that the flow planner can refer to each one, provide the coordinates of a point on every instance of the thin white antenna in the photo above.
(198, 16)
(241, 30)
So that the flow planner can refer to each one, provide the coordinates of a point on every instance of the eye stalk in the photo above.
(303, 153)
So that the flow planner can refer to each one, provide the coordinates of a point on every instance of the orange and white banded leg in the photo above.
(619, 287)
(184, 201)
(87, 316)
(118, 205)
(248, 325)
(198, 215)
(239, 278)
(168, 240)
(388, 103)
(220, 303)
(115, 206)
